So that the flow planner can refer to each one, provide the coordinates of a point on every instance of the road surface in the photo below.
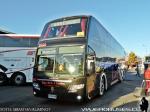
(121, 95)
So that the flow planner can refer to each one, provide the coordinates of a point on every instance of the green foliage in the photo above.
(132, 59)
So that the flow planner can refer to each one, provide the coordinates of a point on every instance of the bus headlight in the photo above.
(74, 88)
(36, 86)
(79, 97)
(71, 69)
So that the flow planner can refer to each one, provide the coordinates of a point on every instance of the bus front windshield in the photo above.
(61, 61)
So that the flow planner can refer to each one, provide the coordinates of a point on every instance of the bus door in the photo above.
(29, 67)
(30, 64)
(91, 76)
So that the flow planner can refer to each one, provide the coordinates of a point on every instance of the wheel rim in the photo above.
(102, 87)
(19, 79)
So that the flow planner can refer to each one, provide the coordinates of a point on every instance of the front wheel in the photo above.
(101, 86)
(18, 79)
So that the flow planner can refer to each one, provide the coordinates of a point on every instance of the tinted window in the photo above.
(65, 28)
(102, 42)
(6, 41)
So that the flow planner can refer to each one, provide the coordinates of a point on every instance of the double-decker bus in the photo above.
(17, 54)
(77, 58)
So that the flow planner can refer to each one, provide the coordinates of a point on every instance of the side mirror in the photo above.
(90, 57)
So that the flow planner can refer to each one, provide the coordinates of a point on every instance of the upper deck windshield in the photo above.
(60, 61)
(65, 28)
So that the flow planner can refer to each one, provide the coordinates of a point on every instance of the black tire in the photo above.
(18, 79)
(102, 86)
(3, 78)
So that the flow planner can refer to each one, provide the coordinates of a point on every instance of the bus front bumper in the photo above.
(64, 96)
(59, 93)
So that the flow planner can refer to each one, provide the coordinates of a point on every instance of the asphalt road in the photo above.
(22, 97)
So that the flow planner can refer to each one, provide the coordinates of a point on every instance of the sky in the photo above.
(127, 20)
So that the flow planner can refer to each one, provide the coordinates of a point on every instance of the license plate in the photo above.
(52, 96)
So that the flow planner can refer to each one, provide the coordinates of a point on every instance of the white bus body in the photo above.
(17, 54)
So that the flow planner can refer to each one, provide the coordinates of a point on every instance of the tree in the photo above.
(132, 59)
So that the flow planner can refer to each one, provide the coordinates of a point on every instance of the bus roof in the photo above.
(19, 36)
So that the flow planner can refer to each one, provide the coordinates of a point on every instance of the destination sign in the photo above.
(67, 22)
(47, 51)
